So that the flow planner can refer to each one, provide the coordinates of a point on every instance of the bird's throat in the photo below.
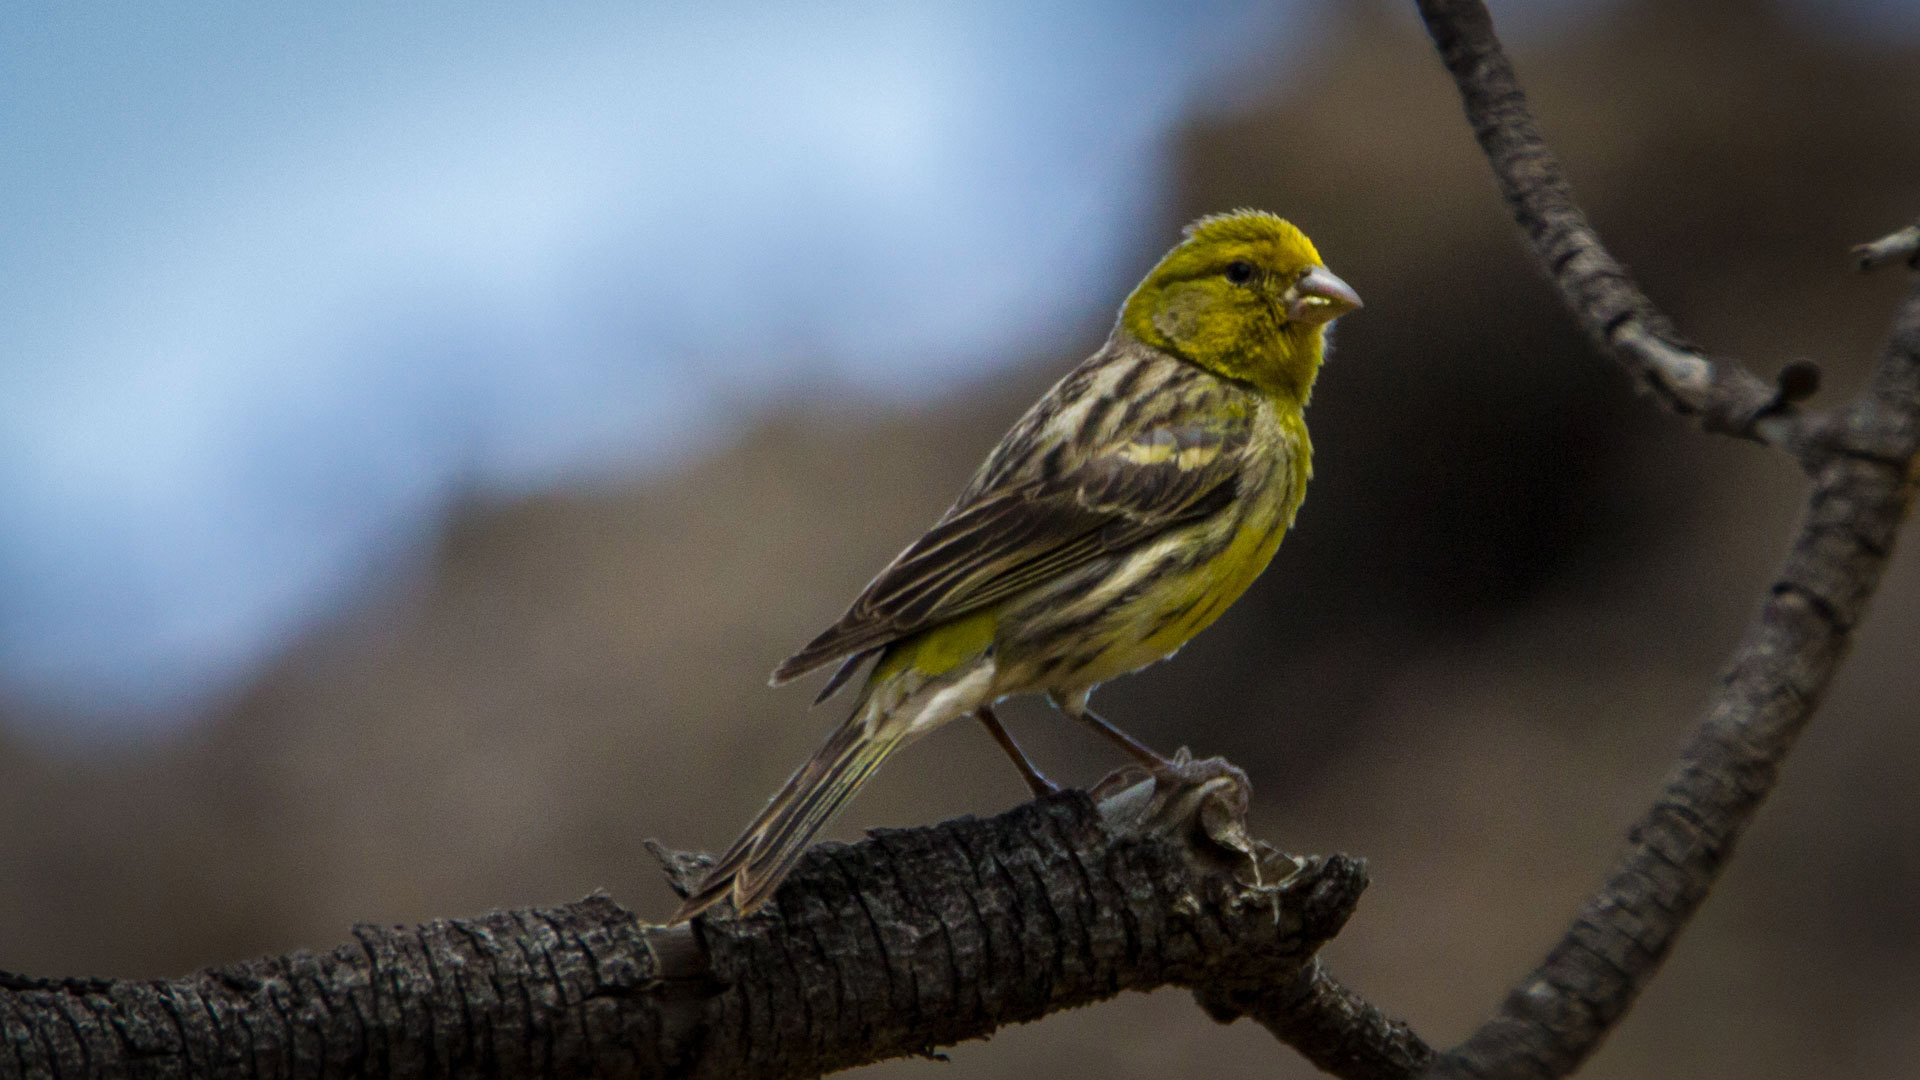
(1283, 367)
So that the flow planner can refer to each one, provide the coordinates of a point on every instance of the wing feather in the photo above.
(1174, 466)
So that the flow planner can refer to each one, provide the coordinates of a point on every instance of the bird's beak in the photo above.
(1320, 298)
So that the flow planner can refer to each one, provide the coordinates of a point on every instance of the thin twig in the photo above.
(1330, 1025)
(1899, 244)
(1596, 288)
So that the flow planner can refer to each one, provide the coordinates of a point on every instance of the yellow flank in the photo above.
(939, 650)
(1200, 595)
(1218, 582)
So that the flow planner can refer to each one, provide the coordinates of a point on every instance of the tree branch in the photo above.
(1595, 287)
(1899, 244)
(1863, 463)
(1330, 1025)
(910, 940)
(1557, 1015)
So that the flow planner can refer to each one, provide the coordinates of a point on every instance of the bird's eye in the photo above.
(1239, 271)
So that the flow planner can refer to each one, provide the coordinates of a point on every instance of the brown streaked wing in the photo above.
(1013, 539)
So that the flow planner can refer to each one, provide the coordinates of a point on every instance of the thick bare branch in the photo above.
(1597, 289)
(910, 940)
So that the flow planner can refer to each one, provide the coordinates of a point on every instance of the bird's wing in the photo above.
(999, 541)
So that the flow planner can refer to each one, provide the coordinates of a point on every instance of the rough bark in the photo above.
(910, 940)
(1329, 1025)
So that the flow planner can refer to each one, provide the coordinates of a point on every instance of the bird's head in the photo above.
(1243, 295)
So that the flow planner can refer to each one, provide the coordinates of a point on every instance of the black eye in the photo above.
(1239, 271)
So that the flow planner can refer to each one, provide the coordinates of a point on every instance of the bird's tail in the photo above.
(755, 865)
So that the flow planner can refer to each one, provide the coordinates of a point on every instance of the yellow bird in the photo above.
(1122, 514)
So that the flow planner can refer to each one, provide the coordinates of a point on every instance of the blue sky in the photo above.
(277, 282)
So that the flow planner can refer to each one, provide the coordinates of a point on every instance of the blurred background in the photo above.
(423, 429)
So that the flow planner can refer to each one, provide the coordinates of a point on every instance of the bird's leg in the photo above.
(1141, 752)
(1076, 707)
(1036, 782)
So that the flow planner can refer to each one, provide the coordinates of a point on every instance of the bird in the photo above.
(1117, 518)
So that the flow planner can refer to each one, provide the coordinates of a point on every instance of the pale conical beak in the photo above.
(1320, 297)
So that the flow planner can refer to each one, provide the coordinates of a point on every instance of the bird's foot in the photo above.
(1207, 797)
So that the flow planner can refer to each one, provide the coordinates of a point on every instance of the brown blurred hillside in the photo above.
(1505, 600)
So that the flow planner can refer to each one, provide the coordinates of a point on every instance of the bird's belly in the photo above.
(1155, 625)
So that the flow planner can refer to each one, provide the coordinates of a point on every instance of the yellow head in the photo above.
(1244, 296)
